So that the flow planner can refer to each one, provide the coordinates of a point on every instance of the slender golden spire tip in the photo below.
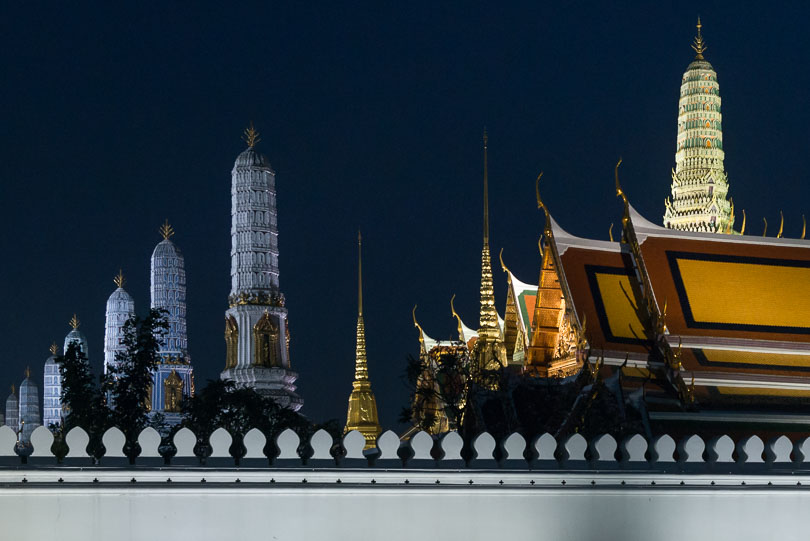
(486, 192)
(119, 279)
(699, 45)
(54, 349)
(74, 322)
(359, 274)
(27, 371)
(781, 225)
(166, 230)
(251, 136)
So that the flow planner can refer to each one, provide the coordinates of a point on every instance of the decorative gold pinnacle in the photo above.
(251, 136)
(27, 371)
(74, 322)
(742, 229)
(166, 230)
(804, 227)
(610, 231)
(54, 349)
(781, 225)
(119, 279)
(359, 273)
(765, 231)
(486, 193)
(699, 45)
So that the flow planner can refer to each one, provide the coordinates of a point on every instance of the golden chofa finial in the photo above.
(166, 230)
(54, 349)
(74, 322)
(610, 231)
(765, 230)
(119, 279)
(251, 136)
(781, 225)
(742, 229)
(418, 327)
(699, 45)
(619, 191)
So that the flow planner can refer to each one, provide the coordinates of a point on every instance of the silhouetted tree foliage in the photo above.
(129, 381)
(505, 401)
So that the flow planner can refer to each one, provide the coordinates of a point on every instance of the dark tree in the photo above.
(129, 382)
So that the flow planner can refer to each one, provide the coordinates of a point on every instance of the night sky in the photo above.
(115, 119)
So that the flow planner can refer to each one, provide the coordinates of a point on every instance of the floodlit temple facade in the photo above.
(257, 333)
(699, 182)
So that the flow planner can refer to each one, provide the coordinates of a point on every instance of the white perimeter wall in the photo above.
(116, 509)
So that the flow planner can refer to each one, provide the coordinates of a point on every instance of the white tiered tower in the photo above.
(174, 376)
(52, 391)
(256, 331)
(699, 181)
(120, 307)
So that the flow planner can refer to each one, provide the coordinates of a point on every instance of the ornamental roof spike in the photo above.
(699, 45)
(804, 227)
(119, 279)
(54, 349)
(74, 322)
(781, 225)
(166, 230)
(251, 136)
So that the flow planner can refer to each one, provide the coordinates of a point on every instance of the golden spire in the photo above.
(486, 193)
(54, 349)
(360, 361)
(74, 322)
(699, 45)
(119, 280)
(781, 225)
(359, 274)
(166, 230)
(251, 136)
(362, 413)
(742, 229)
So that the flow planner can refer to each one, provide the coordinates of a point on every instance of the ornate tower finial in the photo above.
(13, 389)
(166, 230)
(119, 279)
(54, 349)
(251, 136)
(359, 274)
(27, 371)
(74, 322)
(699, 45)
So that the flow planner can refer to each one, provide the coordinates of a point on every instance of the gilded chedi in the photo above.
(362, 413)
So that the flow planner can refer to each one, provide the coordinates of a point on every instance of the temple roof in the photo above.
(600, 280)
(250, 157)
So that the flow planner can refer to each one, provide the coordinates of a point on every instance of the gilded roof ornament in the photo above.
(54, 349)
(610, 231)
(503, 265)
(418, 327)
(541, 205)
(486, 192)
(27, 371)
(251, 136)
(742, 229)
(699, 45)
(119, 279)
(804, 226)
(74, 322)
(781, 225)
(166, 230)
(765, 231)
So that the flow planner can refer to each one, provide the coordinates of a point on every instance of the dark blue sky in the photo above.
(114, 119)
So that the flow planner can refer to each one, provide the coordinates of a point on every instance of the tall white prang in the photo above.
(257, 334)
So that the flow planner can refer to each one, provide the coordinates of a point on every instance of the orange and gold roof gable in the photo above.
(602, 284)
(728, 286)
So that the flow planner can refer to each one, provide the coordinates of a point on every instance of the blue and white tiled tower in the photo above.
(52, 391)
(12, 419)
(257, 335)
(30, 418)
(120, 307)
(174, 377)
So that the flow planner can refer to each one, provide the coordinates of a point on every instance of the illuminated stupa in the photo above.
(12, 419)
(257, 334)
(120, 307)
(174, 377)
(362, 414)
(699, 181)
(29, 407)
(52, 390)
